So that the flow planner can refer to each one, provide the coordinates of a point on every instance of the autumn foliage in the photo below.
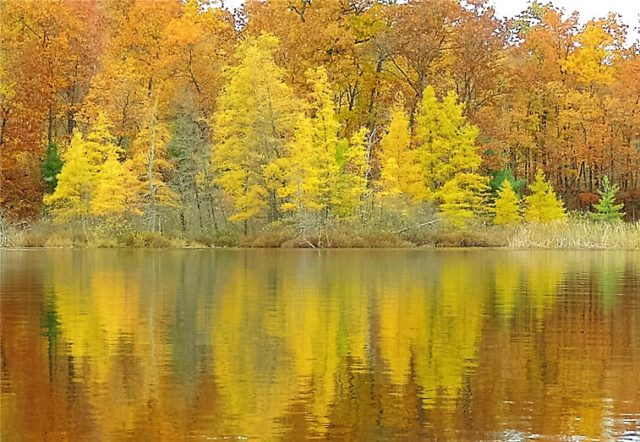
(183, 115)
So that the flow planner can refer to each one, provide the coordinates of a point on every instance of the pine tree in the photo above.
(77, 181)
(606, 208)
(507, 209)
(51, 166)
(445, 142)
(498, 177)
(543, 205)
(306, 182)
(462, 197)
(253, 126)
(327, 173)
(314, 150)
(117, 189)
(72, 196)
(351, 183)
(399, 172)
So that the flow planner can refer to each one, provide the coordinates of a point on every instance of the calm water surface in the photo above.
(300, 344)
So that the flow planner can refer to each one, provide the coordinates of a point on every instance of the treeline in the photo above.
(183, 116)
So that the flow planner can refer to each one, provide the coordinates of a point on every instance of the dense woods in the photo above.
(182, 116)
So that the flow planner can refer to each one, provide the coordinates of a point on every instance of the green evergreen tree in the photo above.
(51, 167)
(606, 208)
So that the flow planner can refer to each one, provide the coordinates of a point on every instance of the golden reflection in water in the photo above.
(341, 345)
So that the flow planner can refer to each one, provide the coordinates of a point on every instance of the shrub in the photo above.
(145, 239)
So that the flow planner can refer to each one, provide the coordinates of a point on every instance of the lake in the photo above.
(331, 344)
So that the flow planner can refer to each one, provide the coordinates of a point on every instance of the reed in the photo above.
(577, 234)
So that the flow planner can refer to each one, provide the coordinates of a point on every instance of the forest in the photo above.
(131, 118)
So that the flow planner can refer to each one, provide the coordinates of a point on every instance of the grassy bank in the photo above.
(577, 233)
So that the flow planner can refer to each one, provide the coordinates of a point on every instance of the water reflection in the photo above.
(342, 345)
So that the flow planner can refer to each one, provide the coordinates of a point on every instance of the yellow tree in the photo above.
(327, 173)
(351, 183)
(462, 197)
(314, 150)
(117, 190)
(83, 162)
(448, 157)
(252, 128)
(306, 183)
(399, 172)
(542, 205)
(591, 61)
(445, 142)
(72, 197)
(507, 209)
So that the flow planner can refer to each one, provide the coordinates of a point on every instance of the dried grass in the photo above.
(577, 234)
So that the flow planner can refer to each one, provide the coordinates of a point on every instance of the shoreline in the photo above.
(573, 235)
(240, 248)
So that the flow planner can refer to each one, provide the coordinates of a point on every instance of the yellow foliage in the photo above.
(72, 197)
(591, 61)
(462, 197)
(252, 127)
(507, 209)
(543, 205)
(445, 142)
(81, 174)
(328, 173)
(117, 190)
(400, 173)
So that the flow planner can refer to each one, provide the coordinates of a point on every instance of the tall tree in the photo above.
(252, 128)
(444, 140)
(152, 163)
(399, 171)
(327, 175)
(77, 181)
(418, 40)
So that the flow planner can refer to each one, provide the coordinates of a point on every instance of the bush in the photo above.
(465, 238)
(146, 239)
(268, 239)
(48, 235)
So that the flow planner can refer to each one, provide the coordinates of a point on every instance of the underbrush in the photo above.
(576, 233)
(45, 235)
(146, 239)
(468, 238)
